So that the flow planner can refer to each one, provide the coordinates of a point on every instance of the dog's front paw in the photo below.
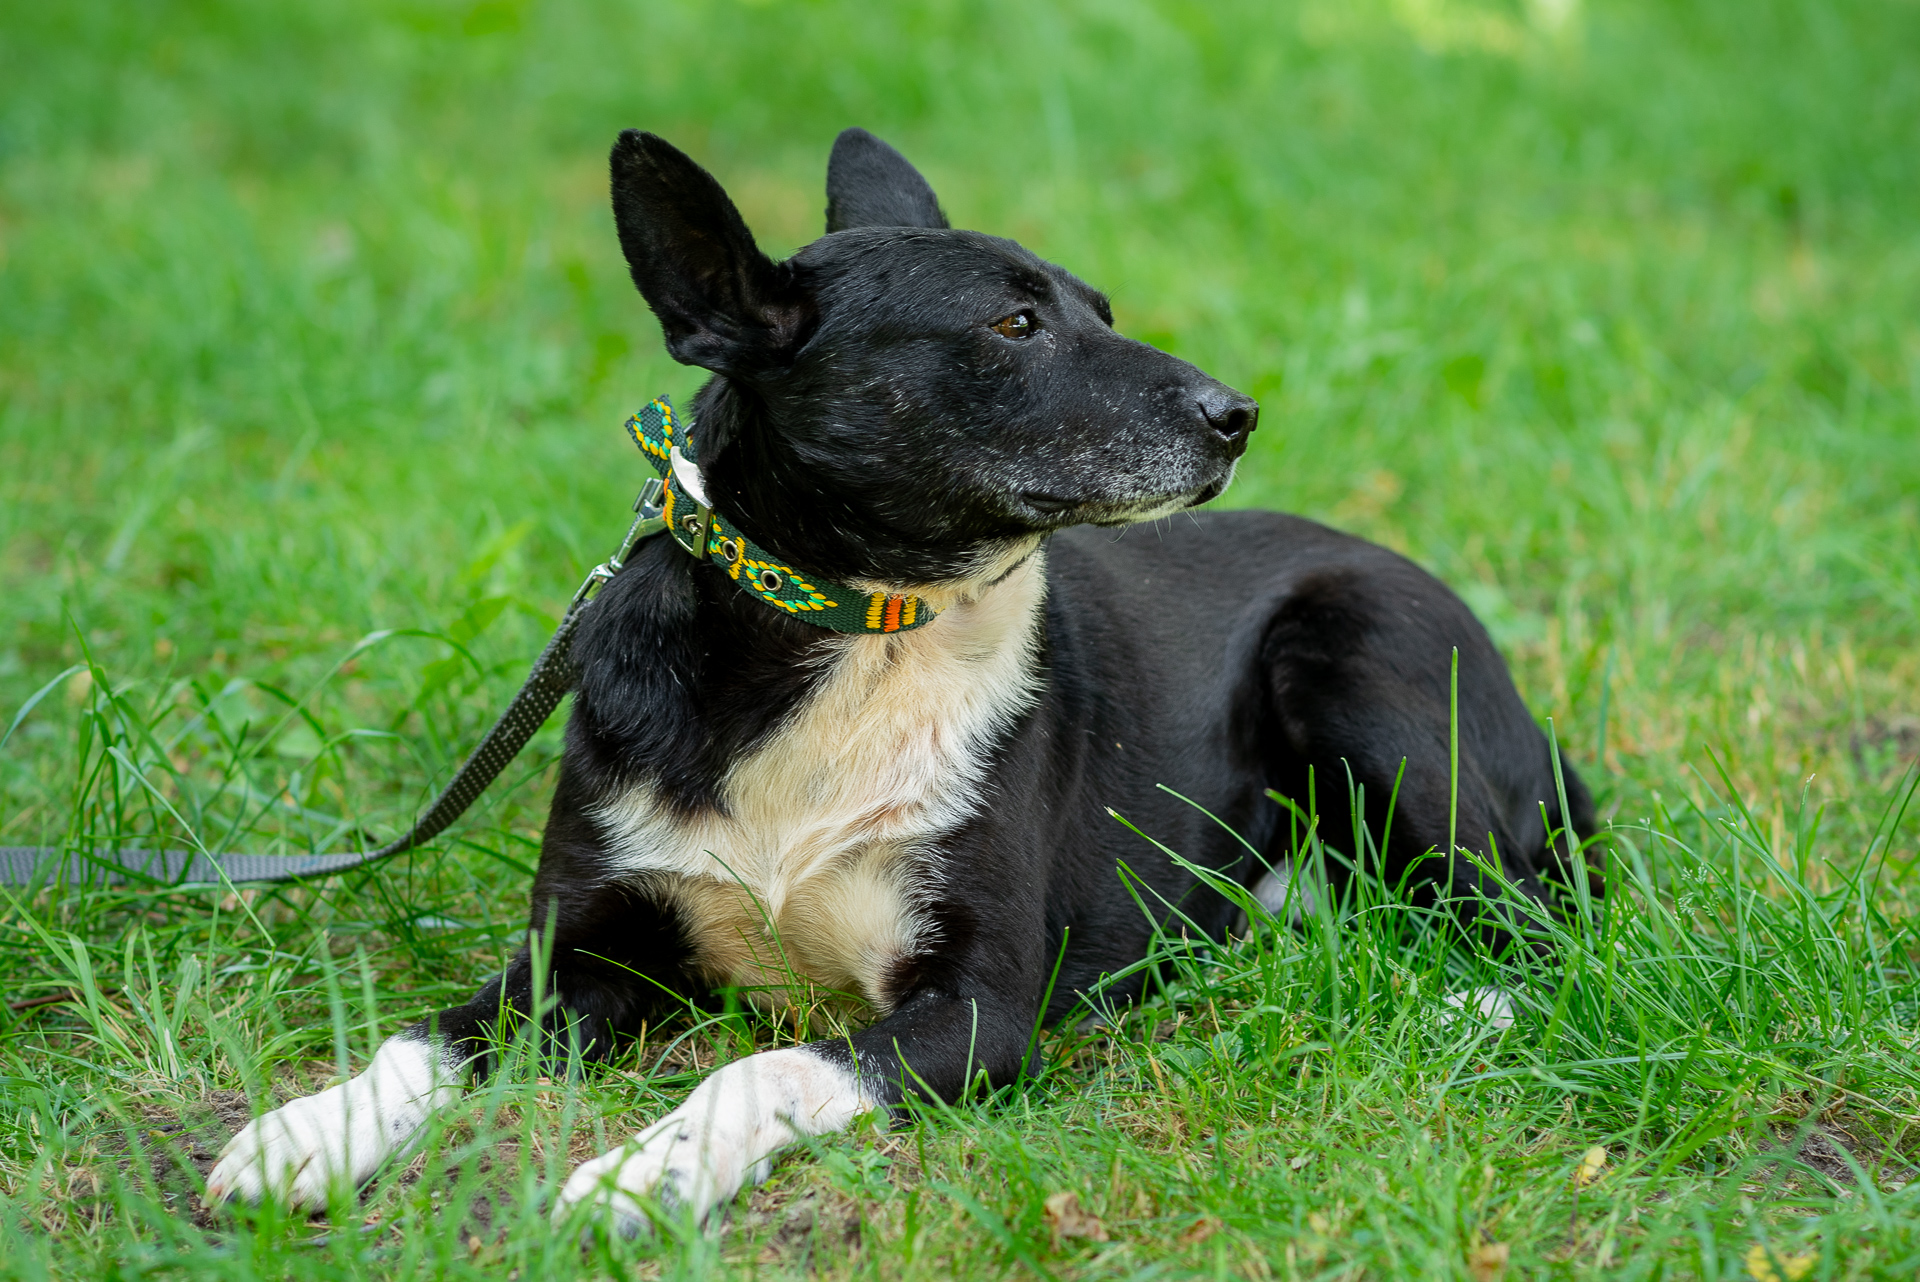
(723, 1138)
(295, 1152)
(676, 1163)
(289, 1154)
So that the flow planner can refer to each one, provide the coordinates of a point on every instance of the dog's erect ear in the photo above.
(869, 184)
(722, 304)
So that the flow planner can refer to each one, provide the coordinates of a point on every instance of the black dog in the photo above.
(929, 420)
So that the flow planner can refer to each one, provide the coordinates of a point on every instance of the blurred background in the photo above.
(312, 322)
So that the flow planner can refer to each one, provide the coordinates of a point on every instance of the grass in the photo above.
(312, 325)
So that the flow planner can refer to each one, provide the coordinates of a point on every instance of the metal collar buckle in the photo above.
(647, 521)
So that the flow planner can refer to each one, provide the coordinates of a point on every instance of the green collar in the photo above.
(664, 437)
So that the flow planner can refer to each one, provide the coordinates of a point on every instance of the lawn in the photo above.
(313, 329)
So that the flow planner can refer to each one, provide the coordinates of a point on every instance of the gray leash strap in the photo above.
(552, 676)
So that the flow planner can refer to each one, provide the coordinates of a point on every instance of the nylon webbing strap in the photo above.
(546, 685)
(552, 676)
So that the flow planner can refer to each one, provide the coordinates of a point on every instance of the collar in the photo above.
(665, 439)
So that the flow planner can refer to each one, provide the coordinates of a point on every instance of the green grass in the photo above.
(312, 324)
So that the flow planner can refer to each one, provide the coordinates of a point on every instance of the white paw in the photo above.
(342, 1134)
(722, 1139)
(1281, 892)
(1285, 897)
(1491, 1005)
(668, 1163)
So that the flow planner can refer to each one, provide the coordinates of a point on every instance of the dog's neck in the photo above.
(779, 487)
(682, 675)
(992, 565)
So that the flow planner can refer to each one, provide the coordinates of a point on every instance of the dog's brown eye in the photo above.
(1018, 325)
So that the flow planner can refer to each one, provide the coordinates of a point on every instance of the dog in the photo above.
(917, 812)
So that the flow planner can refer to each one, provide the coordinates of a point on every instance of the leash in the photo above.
(552, 676)
(673, 503)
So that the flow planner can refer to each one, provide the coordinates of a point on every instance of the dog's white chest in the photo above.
(821, 864)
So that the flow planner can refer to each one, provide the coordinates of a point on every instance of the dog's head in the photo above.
(901, 402)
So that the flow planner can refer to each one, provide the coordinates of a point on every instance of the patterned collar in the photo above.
(664, 437)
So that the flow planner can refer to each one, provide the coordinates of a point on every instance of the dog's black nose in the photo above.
(1230, 414)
